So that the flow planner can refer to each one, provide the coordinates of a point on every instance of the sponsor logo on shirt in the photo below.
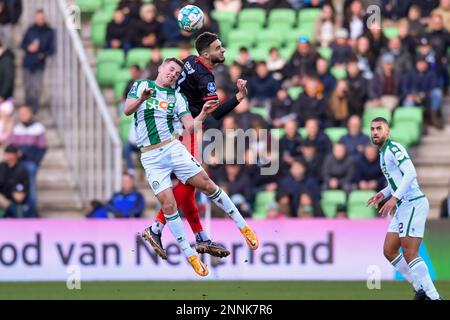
(189, 68)
(211, 87)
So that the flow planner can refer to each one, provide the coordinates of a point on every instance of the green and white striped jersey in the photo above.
(399, 171)
(158, 118)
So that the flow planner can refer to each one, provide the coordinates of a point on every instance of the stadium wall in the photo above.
(291, 249)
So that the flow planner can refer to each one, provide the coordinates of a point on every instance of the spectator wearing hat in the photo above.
(357, 88)
(302, 61)
(421, 87)
(342, 51)
(14, 186)
(355, 140)
(426, 52)
(384, 88)
(368, 175)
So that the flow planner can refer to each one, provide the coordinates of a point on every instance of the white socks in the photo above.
(420, 274)
(401, 266)
(177, 229)
(223, 201)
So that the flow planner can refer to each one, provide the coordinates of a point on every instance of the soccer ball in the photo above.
(191, 18)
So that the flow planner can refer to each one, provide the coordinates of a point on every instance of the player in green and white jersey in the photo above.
(159, 112)
(409, 207)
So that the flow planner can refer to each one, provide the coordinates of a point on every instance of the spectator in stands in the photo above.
(302, 61)
(394, 9)
(281, 109)
(308, 206)
(127, 203)
(39, 44)
(6, 121)
(280, 209)
(445, 206)
(297, 182)
(118, 32)
(354, 20)
(131, 9)
(237, 180)
(384, 88)
(357, 87)
(7, 72)
(402, 58)
(136, 74)
(408, 41)
(376, 37)
(439, 39)
(243, 115)
(262, 87)
(172, 34)
(14, 186)
(245, 62)
(317, 136)
(444, 11)
(275, 63)
(366, 58)
(228, 5)
(325, 76)
(311, 103)
(427, 52)
(420, 88)
(338, 169)
(416, 27)
(235, 73)
(326, 25)
(147, 31)
(338, 106)
(10, 12)
(29, 136)
(341, 212)
(151, 70)
(290, 144)
(426, 7)
(342, 51)
(312, 159)
(355, 140)
(368, 175)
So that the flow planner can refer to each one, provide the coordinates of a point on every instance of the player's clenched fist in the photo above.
(147, 94)
(210, 106)
(242, 88)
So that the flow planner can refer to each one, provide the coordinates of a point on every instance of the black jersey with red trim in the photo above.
(197, 84)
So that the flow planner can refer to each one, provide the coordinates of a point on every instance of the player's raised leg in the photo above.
(205, 185)
(393, 255)
(176, 227)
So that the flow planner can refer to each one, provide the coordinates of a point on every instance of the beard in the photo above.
(216, 60)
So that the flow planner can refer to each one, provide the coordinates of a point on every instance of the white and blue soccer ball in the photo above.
(191, 18)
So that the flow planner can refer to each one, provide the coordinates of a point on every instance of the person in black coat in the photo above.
(368, 175)
(118, 32)
(148, 30)
(318, 137)
(357, 88)
(6, 73)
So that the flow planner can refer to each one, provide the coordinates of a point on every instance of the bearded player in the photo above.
(198, 85)
(409, 207)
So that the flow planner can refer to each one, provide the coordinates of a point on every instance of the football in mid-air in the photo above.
(191, 18)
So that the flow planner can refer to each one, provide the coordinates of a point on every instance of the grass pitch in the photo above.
(214, 290)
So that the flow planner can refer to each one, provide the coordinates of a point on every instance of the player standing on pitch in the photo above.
(198, 85)
(409, 207)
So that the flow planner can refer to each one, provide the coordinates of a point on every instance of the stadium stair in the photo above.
(58, 196)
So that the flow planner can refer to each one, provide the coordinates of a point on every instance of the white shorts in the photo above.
(410, 218)
(159, 163)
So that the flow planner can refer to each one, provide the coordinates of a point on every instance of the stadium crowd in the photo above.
(347, 66)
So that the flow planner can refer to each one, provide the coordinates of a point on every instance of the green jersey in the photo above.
(158, 118)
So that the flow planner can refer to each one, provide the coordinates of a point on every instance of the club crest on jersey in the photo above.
(155, 185)
(133, 89)
(171, 98)
(211, 87)
(399, 156)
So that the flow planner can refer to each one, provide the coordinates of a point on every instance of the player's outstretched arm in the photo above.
(229, 105)
(131, 105)
(189, 123)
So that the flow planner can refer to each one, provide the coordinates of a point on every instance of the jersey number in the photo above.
(400, 227)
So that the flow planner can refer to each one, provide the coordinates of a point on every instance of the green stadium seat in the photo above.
(277, 133)
(302, 133)
(330, 200)
(124, 127)
(262, 201)
(251, 27)
(413, 129)
(408, 114)
(231, 55)
(371, 113)
(111, 55)
(281, 28)
(226, 21)
(263, 112)
(139, 56)
(282, 16)
(308, 16)
(260, 53)
(286, 53)
(307, 30)
(106, 72)
(339, 73)
(170, 52)
(268, 39)
(121, 80)
(402, 135)
(252, 15)
(241, 38)
(98, 34)
(325, 53)
(102, 16)
(391, 32)
(335, 133)
(294, 92)
(110, 2)
(89, 6)
(357, 208)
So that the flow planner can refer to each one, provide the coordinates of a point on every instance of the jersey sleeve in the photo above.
(137, 89)
(207, 87)
(399, 154)
(182, 106)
